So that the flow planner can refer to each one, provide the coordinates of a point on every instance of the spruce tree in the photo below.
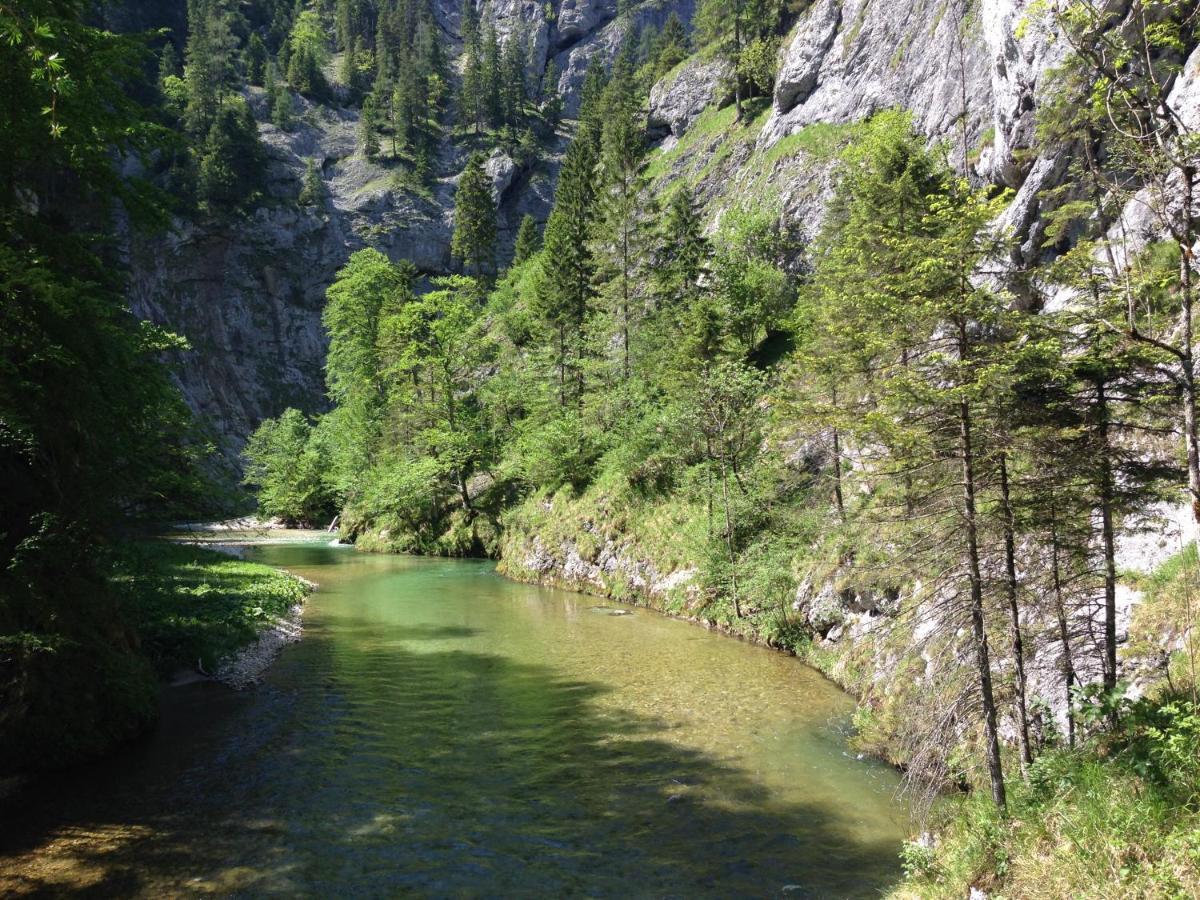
(312, 190)
(565, 295)
(529, 240)
(491, 98)
(474, 240)
(256, 59)
(513, 76)
(368, 128)
(620, 224)
(211, 50)
(471, 96)
(551, 99)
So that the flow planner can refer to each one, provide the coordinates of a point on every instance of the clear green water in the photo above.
(442, 731)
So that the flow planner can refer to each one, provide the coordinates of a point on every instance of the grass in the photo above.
(188, 603)
(711, 124)
(1115, 818)
(1165, 619)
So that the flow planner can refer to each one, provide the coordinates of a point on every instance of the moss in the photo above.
(851, 35)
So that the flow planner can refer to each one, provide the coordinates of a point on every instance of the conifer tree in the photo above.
(620, 221)
(279, 99)
(513, 76)
(368, 128)
(671, 46)
(567, 289)
(308, 56)
(471, 97)
(312, 190)
(491, 99)
(211, 50)
(529, 240)
(474, 240)
(168, 63)
(551, 99)
(256, 59)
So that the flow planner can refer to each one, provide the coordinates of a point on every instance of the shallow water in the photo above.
(443, 731)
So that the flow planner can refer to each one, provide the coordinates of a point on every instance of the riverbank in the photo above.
(1118, 814)
(179, 613)
(200, 610)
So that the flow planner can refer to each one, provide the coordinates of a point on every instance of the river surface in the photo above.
(442, 731)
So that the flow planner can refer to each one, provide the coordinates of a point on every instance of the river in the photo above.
(442, 731)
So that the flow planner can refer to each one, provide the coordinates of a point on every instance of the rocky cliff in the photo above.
(248, 293)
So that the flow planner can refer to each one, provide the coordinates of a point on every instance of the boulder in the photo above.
(501, 169)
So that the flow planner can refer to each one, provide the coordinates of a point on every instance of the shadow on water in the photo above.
(391, 771)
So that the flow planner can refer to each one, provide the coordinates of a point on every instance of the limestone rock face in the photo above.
(676, 101)
(604, 42)
(501, 169)
(248, 292)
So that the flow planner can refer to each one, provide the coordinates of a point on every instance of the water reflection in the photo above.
(428, 737)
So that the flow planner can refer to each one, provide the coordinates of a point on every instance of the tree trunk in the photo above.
(1187, 363)
(1107, 494)
(1188, 371)
(1014, 612)
(982, 657)
(737, 606)
(625, 297)
(837, 476)
(837, 462)
(562, 366)
(1064, 633)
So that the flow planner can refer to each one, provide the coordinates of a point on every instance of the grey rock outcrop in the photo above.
(248, 292)
(604, 43)
(501, 169)
(677, 100)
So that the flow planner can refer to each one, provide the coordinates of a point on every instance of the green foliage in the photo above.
(529, 240)
(312, 189)
(91, 427)
(474, 240)
(190, 605)
(287, 464)
(1116, 818)
(308, 56)
(231, 162)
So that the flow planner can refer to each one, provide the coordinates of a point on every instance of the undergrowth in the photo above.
(190, 604)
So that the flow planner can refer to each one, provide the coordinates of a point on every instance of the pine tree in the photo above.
(513, 76)
(896, 294)
(168, 64)
(312, 190)
(471, 98)
(681, 254)
(231, 162)
(671, 47)
(566, 292)
(529, 240)
(551, 99)
(491, 98)
(256, 59)
(368, 128)
(309, 53)
(620, 221)
(474, 240)
(211, 49)
(279, 98)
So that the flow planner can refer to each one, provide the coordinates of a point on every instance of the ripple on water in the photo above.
(443, 731)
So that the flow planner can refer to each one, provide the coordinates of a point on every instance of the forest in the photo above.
(883, 441)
